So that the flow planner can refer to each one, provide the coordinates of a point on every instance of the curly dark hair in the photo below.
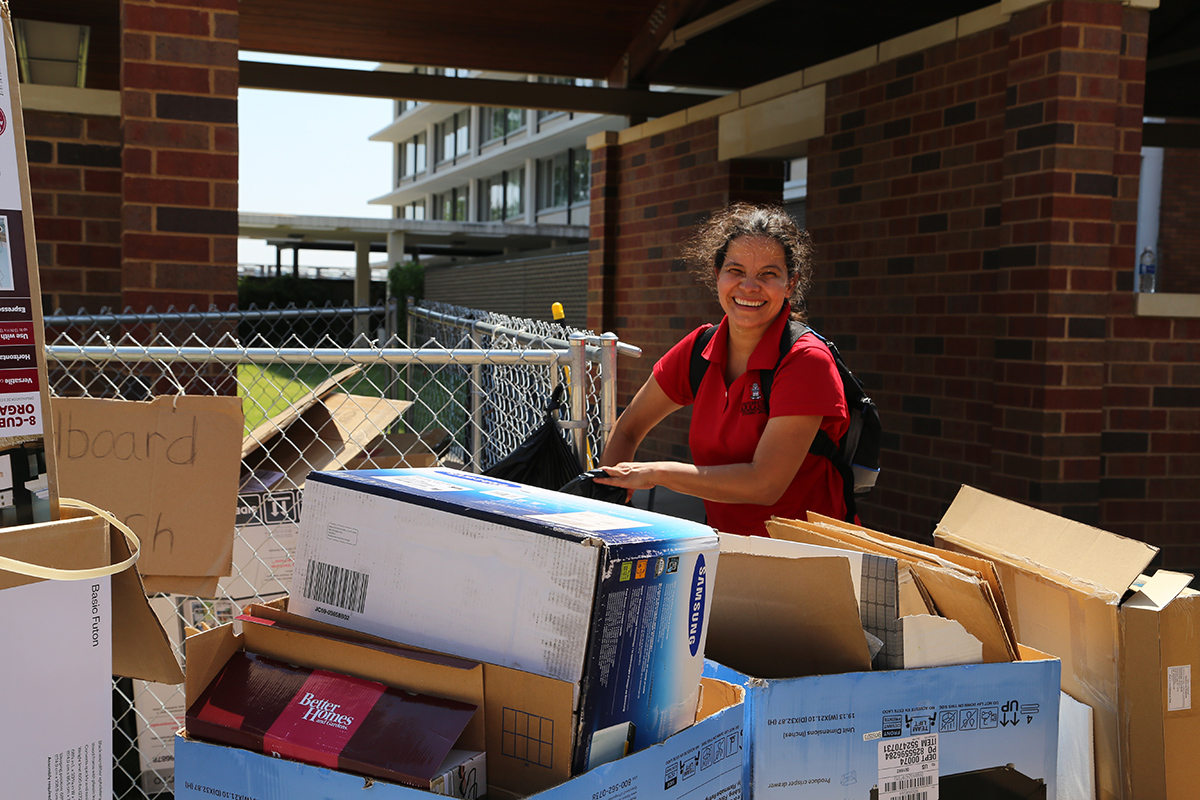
(704, 251)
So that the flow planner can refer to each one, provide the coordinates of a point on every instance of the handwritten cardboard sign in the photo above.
(168, 468)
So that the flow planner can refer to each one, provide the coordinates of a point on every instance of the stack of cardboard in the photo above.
(1129, 642)
(580, 624)
(874, 667)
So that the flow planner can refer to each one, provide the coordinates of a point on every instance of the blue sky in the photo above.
(303, 153)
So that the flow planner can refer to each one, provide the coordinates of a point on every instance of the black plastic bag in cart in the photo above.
(545, 458)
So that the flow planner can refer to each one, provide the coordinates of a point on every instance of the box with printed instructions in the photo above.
(610, 598)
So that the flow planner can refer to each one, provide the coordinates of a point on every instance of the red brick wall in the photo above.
(1179, 222)
(75, 177)
(179, 84)
(646, 197)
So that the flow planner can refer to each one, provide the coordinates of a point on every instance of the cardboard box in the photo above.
(526, 720)
(1128, 644)
(60, 651)
(610, 598)
(820, 725)
(701, 761)
(322, 430)
(327, 718)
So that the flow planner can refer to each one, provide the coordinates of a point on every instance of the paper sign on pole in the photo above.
(28, 490)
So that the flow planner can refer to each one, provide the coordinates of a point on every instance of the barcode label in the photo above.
(909, 796)
(336, 586)
(904, 784)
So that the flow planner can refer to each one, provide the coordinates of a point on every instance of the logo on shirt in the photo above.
(756, 404)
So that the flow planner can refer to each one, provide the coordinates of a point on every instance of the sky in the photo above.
(303, 153)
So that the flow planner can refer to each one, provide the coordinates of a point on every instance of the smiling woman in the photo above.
(751, 459)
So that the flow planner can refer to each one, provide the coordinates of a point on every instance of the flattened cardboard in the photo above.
(1119, 660)
(322, 430)
(167, 468)
(954, 592)
(850, 734)
(265, 431)
(804, 607)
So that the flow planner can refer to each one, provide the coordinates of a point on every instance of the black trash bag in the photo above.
(545, 458)
(584, 486)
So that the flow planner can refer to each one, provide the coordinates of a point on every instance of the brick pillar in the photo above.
(1062, 235)
(602, 237)
(179, 82)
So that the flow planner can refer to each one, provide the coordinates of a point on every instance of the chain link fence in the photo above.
(461, 388)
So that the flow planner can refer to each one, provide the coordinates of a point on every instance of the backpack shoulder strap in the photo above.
(791, 334)
(698, 364)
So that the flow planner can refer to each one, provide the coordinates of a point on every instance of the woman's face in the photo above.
(753, 284)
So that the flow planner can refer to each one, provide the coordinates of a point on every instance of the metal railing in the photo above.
(474, 388)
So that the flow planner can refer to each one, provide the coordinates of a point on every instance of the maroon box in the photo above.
(328, 719)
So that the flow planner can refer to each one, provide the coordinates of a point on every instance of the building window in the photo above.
(564, 179)
(497, 124)
(453, 137)
(52, 53)
(412, 156)
(451, 205)
(502, 197)
(414, 210)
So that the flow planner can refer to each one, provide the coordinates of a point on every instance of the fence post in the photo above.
(579, 417)
(608, 388)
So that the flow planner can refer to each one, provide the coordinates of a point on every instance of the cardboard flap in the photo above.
(968, 599)
(1027, 534)
(80, 541)
(931, 641)
(1158, 591)
(141, 648)
(786, 617)
(716, 696)
(167, 468)
(268, 429)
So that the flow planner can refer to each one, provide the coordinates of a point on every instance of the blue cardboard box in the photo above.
(612, 599)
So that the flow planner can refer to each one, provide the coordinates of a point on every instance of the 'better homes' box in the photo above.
(611, 598)
(701, 761)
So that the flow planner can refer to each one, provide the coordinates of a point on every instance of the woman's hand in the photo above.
(631, 475)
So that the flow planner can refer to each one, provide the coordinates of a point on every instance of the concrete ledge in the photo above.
(1160, 304)
(70, 100)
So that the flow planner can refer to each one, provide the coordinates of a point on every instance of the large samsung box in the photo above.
(611, 598)
(972, 731)
(703, 761)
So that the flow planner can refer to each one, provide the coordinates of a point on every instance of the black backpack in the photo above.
(856, 456)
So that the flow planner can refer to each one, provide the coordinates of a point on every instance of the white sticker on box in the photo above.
(1179, 688)
(908, 768)
(588, 521)
(423, 484)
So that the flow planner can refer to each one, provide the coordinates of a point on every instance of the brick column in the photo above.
(602, 237)
(1062, 236)
(179, 82)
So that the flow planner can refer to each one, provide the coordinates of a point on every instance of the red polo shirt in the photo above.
(726, 425)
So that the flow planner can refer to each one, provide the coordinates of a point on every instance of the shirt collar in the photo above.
(766, 352)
